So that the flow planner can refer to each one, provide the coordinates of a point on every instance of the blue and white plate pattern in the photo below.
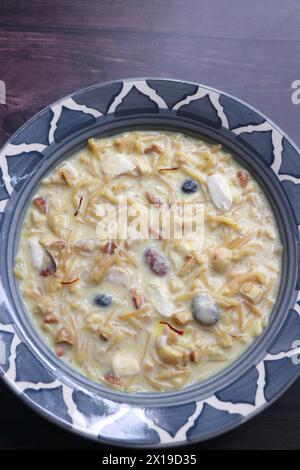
(200, 411)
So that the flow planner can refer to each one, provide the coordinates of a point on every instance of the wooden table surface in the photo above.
(50, 48)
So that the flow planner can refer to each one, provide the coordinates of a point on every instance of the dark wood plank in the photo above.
(266, 20)
(44, 66)
(51, 48)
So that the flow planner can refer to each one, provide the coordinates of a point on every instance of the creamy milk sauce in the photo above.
(99, 304)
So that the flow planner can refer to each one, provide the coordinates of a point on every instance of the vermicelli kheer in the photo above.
(154, 314)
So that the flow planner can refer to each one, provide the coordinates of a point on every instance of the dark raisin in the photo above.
(190, 186)
(156, 261)
(103, 300)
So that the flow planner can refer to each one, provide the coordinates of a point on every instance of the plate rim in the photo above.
(57, 420)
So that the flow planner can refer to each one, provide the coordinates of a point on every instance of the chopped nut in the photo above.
(65, 335)
(221, 259)
(243, 178)
(104, 335)
(69, 174)
(181, 318)
(32, 292)
(138, 297)
(113, 379)
(45, 306)
(51, 318)
(65, 174)
(253, 292)
(51, 268)
(109, 247)
(153, 148)
(41, 204)
(59, 351)
(195, 356)
(154, 199)
(95, 146)
(57, 223)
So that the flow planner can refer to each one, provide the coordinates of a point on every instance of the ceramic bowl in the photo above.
(200, 411)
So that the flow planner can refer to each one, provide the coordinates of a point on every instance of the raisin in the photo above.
(156, 261)
(190, 186)
(103, 300)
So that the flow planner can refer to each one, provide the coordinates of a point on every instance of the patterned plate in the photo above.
(198, 412)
